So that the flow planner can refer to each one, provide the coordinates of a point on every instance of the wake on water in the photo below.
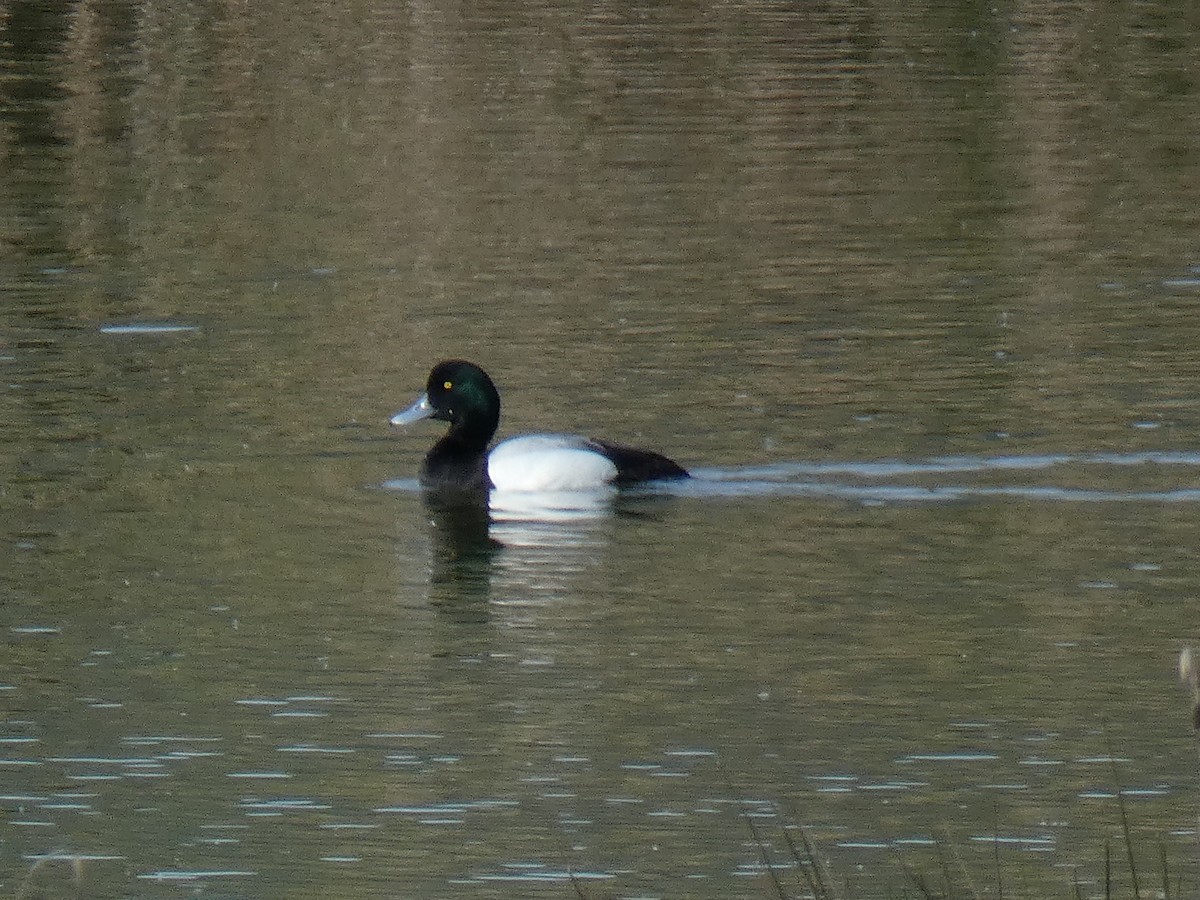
(882, 481)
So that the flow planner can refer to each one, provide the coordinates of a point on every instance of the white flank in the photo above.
(548, 462)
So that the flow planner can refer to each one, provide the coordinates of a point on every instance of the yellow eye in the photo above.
(447, 384)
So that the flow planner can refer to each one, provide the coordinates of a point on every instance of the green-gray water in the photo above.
(913, 292)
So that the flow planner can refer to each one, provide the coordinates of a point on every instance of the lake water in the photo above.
(914, 292)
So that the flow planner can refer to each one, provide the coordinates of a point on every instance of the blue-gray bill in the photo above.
(421, 409)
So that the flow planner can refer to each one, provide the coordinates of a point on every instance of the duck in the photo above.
(461, 393)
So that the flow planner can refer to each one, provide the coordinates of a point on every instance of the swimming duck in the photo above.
(462, 394)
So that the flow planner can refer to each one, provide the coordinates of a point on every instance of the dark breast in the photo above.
(449, 465)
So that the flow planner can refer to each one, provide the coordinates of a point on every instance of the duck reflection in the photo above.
(461, 554)
(517, 549)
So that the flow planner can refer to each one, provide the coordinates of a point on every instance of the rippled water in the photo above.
(912, 293)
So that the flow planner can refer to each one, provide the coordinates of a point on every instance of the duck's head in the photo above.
(460, 393)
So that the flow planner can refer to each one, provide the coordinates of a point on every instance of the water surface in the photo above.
(912, 292)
